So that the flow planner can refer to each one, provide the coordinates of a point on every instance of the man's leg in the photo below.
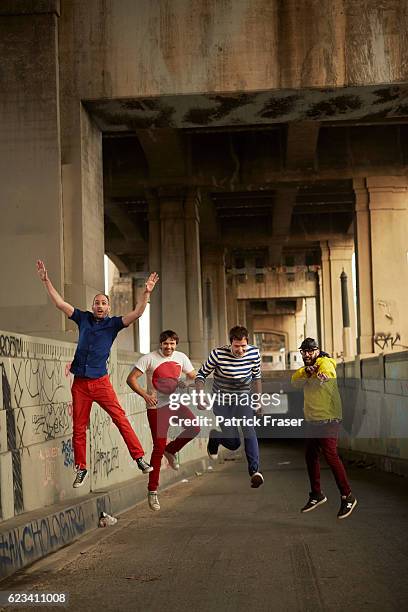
(105, 396)
(329, 449)
(185, 436)
(250, 438)
(159, 425)
(313, 464)
(229, 434)
(81, 409)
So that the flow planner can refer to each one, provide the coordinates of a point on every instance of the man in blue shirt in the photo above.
(97, 332)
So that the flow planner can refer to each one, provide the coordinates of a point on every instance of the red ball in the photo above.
(166, 385)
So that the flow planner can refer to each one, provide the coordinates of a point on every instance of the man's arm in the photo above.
(131, 380)
(61, 304)
(205, 370)
(139, 309)
(300, 377)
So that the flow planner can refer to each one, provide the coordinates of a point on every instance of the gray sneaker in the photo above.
(173, 463)
(153, 500)
(144, 466)
(81, 476)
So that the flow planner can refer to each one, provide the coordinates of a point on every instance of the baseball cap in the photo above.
(309, 344)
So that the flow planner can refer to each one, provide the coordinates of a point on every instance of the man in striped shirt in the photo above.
(237, 374)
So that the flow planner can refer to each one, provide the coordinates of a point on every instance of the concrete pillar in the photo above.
(156, 325)
(336, 256)
(341, 254)
(82, 181)
(30, 167)
(385, 251)
(231, 301)
(242, 320)
(173, 268)
(122, 300)
(214, 296)
(193, 277)
(326, 299)
(364, 280)
(311, 318)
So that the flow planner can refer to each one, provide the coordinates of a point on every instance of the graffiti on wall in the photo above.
(54, 421)
(23, 544)
(104, 450)
(67, 451)
(12, 443)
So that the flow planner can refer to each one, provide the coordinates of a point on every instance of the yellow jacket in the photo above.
(321, 399)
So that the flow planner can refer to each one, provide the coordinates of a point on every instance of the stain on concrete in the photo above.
(386, 95)
(224, 106)
(334, 106)
(277, 107)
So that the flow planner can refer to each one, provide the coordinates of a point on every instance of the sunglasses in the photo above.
(308, 352)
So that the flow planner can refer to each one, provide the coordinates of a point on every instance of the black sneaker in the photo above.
(315, 499)
(81, 476)
(212, 445)
(256, 480)
(143, 465)
(347, 506)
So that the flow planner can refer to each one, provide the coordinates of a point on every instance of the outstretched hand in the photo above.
(42, 270)
(151, 281)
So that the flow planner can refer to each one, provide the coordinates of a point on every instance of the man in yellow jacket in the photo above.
(323, 415)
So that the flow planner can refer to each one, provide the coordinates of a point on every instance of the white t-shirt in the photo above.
(163, 373)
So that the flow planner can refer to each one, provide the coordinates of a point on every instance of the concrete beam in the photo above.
(123, 222)
(164, 151)
(281, 220)
(29, 7)
(301, 144)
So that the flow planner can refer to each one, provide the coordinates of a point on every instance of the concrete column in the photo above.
(326, 300)
(30, 168)
(311, 318)
(242, 320)
(215, 300)
(364, 280)
(336, 256)
(155, 266)
(121, 300)
(341, 254)
(193, 277)
(388, 206)
(232, 302)
(173, 268)
(82, 181)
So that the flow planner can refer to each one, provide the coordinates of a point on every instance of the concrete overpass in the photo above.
(244, 151)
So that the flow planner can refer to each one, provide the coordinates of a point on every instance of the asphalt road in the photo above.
(218, 545)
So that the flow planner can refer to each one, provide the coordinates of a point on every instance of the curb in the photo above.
(393, 465)
(35, 535)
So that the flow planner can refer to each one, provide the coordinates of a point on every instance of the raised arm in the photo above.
(52, 292)
(139, 309)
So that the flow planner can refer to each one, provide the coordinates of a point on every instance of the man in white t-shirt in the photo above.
(163, 369)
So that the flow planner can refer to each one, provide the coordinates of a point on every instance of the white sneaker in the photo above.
(153, 500)
(257, 480)
(173, 463)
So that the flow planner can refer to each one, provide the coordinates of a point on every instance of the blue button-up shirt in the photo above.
(94, 344)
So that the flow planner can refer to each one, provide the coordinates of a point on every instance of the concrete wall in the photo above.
(132, 48)
(375, 407)
(293, 283)
(36, 454)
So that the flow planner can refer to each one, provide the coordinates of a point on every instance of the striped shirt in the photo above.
(231, 374)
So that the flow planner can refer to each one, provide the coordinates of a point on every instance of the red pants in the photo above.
(159, 421)
(324, 438)
(99, 390)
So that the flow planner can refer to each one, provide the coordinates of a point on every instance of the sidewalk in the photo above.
(34, 535)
